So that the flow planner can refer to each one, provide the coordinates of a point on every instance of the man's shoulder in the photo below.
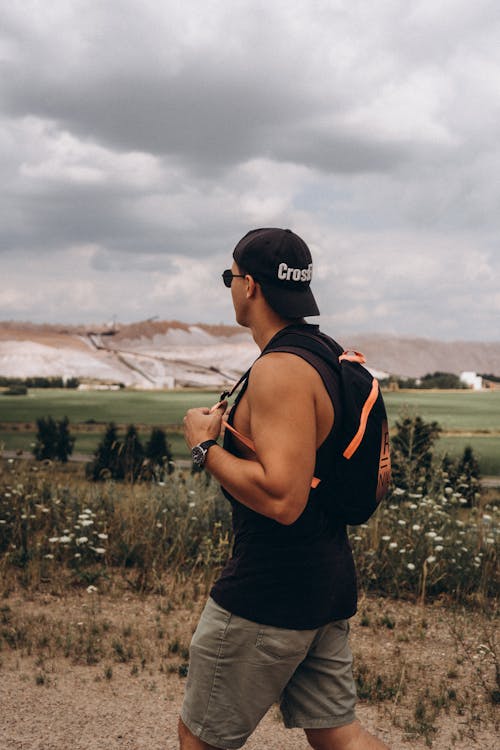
(280, 370)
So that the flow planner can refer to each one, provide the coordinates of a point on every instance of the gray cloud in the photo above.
(137, 145)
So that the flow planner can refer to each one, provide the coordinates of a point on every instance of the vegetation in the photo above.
(411, 452)
(16, 390)
(127, 459)
(465, 417)
(53, 440)
(79, 545)
(418, 544)
(39, 382)
(438, 380)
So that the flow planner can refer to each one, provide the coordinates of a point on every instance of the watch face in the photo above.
(198, 455)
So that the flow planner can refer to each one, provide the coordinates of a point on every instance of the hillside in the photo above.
(154, 354)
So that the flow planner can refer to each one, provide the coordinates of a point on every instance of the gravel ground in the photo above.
(52, 703)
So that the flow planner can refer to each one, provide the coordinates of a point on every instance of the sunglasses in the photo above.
(228, 276)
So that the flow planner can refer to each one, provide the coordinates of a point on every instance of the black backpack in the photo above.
(358, 475)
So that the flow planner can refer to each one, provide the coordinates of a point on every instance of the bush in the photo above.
(53, 440)
(128, 459)
(158, 454)
(106, 463)
(16, 390)
(411, 453)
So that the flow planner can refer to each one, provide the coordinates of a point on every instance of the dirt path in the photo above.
(49, 702)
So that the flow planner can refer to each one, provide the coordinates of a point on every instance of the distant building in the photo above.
(472, 380)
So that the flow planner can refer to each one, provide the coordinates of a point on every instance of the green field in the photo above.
(467, 418)
(122, 407)
(454, 410)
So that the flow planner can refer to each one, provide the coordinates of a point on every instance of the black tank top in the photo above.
(299, 576)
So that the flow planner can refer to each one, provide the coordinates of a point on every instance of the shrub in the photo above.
(16, 390)
(158, 455)
(411, 452)
(53, 440)
(106, 463)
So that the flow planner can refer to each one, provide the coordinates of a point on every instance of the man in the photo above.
(275, 627)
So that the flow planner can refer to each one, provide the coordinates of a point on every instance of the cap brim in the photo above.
(290, 303)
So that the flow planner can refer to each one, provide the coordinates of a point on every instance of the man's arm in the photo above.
(281, 405)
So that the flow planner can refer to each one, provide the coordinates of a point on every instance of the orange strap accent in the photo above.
(250, 444)
(242, 438)
(353, 356)
(358, 437)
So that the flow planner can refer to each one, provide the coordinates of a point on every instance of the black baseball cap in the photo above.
(281, 262)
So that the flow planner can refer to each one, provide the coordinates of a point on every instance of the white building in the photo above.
(472, 380)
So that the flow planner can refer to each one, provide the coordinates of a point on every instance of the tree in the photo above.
(65, 442)
(411, 453)
(46, 439)
(468, 475)
(441, 380)
(106, 457)
(158, 456)
(131, 455)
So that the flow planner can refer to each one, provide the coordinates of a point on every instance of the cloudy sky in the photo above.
(139, 140)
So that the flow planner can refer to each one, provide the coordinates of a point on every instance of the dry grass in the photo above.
(427, 670)
(110, 578)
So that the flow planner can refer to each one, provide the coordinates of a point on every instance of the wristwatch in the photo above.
(199, 452)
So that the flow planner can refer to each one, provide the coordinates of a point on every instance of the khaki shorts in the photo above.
(238, 669)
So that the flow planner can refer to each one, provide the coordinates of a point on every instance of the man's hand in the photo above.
(203, 424)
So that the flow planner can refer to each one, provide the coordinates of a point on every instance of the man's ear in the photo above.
(251, 286)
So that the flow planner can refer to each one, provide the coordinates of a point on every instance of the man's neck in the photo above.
(264, 331)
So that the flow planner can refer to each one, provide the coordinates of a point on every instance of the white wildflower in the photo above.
(87, 522)
(410, 566)
(393, 545)
(439, 548)
(91, 589)
(386, 538)
(431, 534)
(431, 559)
(415, 527)
(82, 540)
(53, 539)
(99, 550)
(49, 557)
(102, 536)
(65, 539)
(402, 522)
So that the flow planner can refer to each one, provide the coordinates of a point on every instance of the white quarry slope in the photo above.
(156, 354)
(187, 356)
